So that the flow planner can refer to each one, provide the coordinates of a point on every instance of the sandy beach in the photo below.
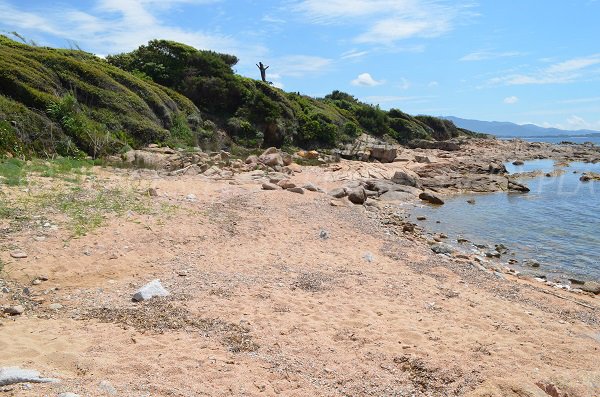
(278, 293)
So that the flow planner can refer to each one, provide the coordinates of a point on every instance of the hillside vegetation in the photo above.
(71, 102)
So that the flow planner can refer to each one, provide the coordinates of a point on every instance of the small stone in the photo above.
(36, 282)
(14, 310)
(311, 188)
(106, 387)
(421, 218)
(471, 201)
(296, 190)
(191, 197)
(270, 186)
(286, 184)
(357, 195)
(55, 306)
(324, 234)
(18, 254)
(368, 257)
(150, 290)
(152, 192)
(442, 249)
(68, 394)
(43, 277)
(5, 290)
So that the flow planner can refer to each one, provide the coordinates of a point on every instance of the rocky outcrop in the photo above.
(448, 146)
(407, 177)
(431, 198)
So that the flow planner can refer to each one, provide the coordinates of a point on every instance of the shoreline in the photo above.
(276, 292)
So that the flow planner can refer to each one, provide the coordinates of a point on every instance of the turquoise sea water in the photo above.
(556, 224)
(573, 139)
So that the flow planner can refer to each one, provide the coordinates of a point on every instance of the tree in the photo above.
(263, 71)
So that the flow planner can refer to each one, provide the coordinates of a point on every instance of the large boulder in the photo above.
(383, 153)
(407, 177)
(357, 195)
(272, 159)
(431, 198)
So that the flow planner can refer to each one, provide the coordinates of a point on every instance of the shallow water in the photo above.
(556, 224)
(574, 139)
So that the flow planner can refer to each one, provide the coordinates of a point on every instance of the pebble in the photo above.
(14, 310)
(324, 234)
(368, 257)
(270, 186)
(296, 190)
(55, 306)
(191, 197)
(149, 291)
(36, 282)
(106, 387)
(68, 394)
(421, 218)
(18, 254)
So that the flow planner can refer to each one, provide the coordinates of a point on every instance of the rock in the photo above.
(516, 186)
(323, 234)
(286, 184)
(271, 150)
(287, 159)
(272, 159)
(421, 218)
(152, 192)
(590, 286)
(357, 195)
(589, 176)
(492, 254)
(431, 198)
(295, 190)
(36, 282)
(14, 375)
(495, 168)
(518, 162)
(383, 153)
(441, 248)
(55, 306)
(312, 188)
(150, 290)
(471, 201)
(252, 159)
(396, 197)
(270, 186)
(339, 203)
(14, 310)
(448, 146)
(106, 387)
(338, 193)
(531, 263)
(191, 197)
(313, 154)
(18, 254)
(407, 177)
(422, 159)
(68, 394)
(368, 257)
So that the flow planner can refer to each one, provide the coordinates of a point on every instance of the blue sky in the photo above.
(525, 61)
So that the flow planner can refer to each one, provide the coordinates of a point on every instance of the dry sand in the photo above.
(261, 305)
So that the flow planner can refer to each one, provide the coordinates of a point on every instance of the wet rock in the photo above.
(590, 286)
(421, 218)
(407, 177)
(518, 162)
(270, 186)
(14, 375)
(150, 290)
(589, 176)
(531, 263)
(493, 254)
(357, 195)
(471, 201)
(16, 310)
(516, 186)
(338, 193)
(431, 198)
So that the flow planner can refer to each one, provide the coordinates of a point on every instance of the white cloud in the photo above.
(387, 21)
(563, 72)
(404, 84)
(487, 55)
(300, 65)
(366, 80)
(433, 84)
(575, 122)
(353, 54)
(112, 26)
(511, 100)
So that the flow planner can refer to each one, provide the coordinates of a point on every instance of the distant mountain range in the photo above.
(507, 129)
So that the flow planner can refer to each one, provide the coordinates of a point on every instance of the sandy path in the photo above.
(323, 320)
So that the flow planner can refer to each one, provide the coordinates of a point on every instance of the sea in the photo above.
(573, 139)
(557, 224)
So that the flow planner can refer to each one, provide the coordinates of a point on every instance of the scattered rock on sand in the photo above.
(431, 198)
(14, 375)
(357, 195)
(295, 190)
(312, 188)
(18, 254)
(407, 177)
(149, 291)
(55, 306)
(286, 184)
(68, 394)
(14, 310)
(106, 387)
(442, 248)
(338, 193)
(270, 186)
(590, 286)
(323, 234)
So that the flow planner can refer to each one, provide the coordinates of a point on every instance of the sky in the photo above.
(523, 61)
